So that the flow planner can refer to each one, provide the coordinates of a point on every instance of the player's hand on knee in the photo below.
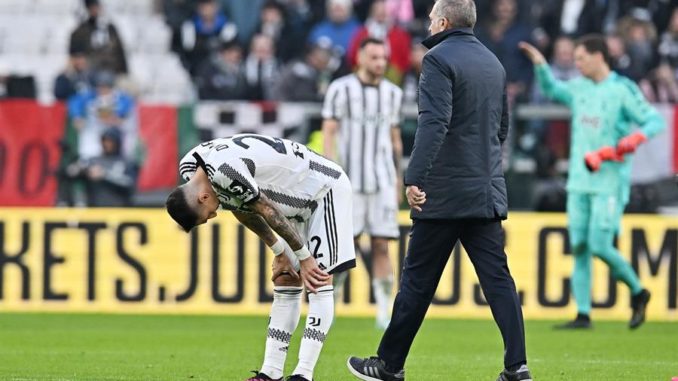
(312, 275)
(282, 265)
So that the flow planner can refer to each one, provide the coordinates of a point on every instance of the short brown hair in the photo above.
(370, 40)
(595, 43)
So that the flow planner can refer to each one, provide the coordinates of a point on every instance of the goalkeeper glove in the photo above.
(628, 144)
(595, 159)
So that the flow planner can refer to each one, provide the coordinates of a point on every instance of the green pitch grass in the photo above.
(120, 347)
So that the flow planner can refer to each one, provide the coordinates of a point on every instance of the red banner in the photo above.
(29, 152)
(674, 127)
(158, 129)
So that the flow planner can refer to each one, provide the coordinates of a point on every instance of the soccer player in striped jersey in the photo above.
(362, 112)
(299, 204)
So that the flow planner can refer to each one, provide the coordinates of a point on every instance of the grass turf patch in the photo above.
(153, 347)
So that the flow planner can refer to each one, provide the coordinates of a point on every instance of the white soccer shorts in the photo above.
(376, 214)
(329, 231)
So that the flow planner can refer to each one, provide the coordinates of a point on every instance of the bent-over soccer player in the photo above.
(278, 186)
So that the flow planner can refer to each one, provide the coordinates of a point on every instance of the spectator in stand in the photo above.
(304, 13)
(620, 60)
(411, 79)
(77, 78)
(338, 28)
(502, 36)
(202, 35)
(660, 85)
(305, 80)
(400, 11)
(95, 111)
(639, 38)
(381, 26)
(422, 8)
(418, 26)
(109, 178)
(100, 40)
(656, 12)
(177, 11)
(273, 23)
(261, 68)
(222, 77)
(668, 46)
(244, 15)
(571, 18)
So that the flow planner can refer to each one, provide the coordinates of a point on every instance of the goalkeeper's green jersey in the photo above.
(602, 114)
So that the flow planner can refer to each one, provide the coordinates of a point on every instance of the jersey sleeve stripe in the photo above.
(294, 202)
(232, 173)
(325, 170)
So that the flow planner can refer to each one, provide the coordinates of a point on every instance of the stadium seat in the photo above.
(14, 7)
(141, 72)
(128, 28)
(57, 7)
(60, 34)
(171, 83)
(154, 35)
(128, 7)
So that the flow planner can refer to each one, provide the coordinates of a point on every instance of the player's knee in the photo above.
(578, 247)
(379, 247)
(286, 280)
(601, 246)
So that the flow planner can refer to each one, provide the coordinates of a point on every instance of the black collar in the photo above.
(439, 37)
(201, 162)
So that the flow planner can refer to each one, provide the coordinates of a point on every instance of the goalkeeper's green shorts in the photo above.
(589, 213)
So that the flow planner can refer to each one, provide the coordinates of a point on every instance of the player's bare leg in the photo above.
(382, 280)
(283, 320)
(318, 323)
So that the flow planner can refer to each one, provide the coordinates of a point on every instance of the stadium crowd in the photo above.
(252, 50)
(289, 50)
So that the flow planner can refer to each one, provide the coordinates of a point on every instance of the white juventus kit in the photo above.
(366, 115)
(311, 191)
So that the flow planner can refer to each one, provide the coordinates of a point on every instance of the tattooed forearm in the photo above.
(277, 221)
(255, 223)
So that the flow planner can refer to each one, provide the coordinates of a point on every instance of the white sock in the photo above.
(318, 323)
(283, 320)
(382, 295)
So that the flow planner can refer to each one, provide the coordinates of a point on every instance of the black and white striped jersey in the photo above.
(366, 114)
(243, 166)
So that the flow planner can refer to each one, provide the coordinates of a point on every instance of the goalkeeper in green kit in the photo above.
(605, 108)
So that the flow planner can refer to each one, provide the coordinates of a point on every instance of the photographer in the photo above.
(109, 179)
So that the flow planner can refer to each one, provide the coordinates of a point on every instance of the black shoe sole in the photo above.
(572, 328)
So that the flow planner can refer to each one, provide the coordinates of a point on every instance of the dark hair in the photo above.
(595, 43)
(370, 40)
(89, 3)
(180, 211)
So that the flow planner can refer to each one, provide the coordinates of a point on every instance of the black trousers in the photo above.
(431, 243)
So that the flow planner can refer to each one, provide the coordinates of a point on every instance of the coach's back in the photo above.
(463, 119)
